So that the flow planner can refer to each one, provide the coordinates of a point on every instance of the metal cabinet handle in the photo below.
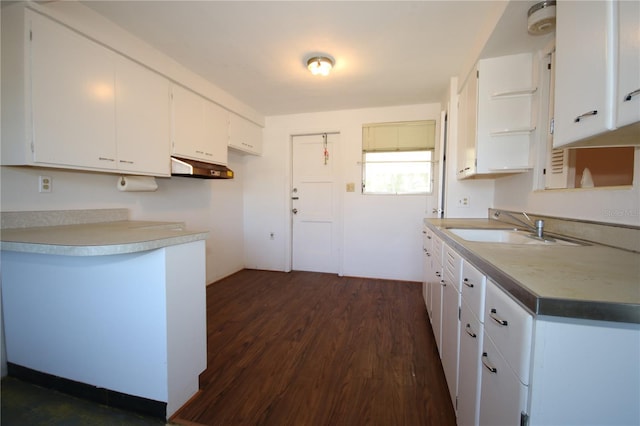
(442, 283)
(631, 95)
(470, 331)
(106, 159)
(467, 283)
(494, 316)
(487, 364)
(586, 114)
(126, 161)
(438, 274)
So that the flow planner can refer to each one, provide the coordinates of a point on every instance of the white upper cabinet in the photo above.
(628, 87)
(76, 104)
(143, 118)
(597, 54)
(244, 135)
(200, 127)
(495, 117)
(72, 98)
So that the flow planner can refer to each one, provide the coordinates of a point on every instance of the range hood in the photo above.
(198, 169)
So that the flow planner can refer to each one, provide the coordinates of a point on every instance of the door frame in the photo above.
(339, 212)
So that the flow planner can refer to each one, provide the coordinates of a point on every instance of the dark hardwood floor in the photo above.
(305, 348)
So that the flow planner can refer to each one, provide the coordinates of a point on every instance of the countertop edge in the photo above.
(537, 305)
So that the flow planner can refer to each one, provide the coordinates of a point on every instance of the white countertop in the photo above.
(591, 281)
(97, 239)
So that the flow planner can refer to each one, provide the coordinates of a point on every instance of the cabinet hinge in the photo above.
(548, 66)
(475, 163)
(477, 73)
(552, 125)
(30, 35)
(459, 313)
(456, 403)
(544, 171)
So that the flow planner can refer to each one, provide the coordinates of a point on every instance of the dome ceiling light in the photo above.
(541, 18)
(320, 65)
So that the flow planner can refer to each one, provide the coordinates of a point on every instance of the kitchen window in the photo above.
(397, 158)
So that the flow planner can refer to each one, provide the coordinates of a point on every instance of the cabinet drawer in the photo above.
(451, 263)
(437, 247)
(510, 327)
(503, 398)
(473, 289)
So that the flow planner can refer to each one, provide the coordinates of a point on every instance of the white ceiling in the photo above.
(386, 52)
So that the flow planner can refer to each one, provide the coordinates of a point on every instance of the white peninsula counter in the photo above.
(116, 311)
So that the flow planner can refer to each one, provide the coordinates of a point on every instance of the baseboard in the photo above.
(103, 396)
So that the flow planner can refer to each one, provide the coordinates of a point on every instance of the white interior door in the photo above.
(315, 204)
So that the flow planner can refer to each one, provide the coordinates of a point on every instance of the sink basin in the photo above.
(506, 236)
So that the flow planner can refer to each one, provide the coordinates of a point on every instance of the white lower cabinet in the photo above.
(503, 398)
(505, 367)
(451, 299)
(506, 359)
(471, 338)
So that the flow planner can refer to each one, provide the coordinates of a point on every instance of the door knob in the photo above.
(295, 211)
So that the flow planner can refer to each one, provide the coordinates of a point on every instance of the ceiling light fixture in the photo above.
(541, 18)
(320, 65)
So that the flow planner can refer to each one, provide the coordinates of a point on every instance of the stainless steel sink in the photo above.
(508, 236)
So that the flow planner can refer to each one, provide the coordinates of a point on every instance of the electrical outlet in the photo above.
(45, 184)
(464, 202)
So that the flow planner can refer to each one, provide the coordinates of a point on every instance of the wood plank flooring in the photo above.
(305, 348)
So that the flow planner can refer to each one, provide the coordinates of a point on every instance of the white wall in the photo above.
(381, 234)
(212, 205)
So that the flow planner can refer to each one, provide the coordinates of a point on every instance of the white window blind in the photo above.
(400, 136)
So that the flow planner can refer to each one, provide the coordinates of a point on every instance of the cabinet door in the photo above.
(503, 398)
(467, 126)
(511, 328)
(504, 113)
(471, 337)
(143, 120)
(628, 90)
(450, 336)
(199, 128)
(583, 55)
(244, 135)
(72, 98)
(437, 290)
(427, 243)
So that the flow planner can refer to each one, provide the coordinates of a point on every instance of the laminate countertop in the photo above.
(98, 239)
(591, 281)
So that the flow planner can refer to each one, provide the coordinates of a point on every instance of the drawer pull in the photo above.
(468, 283)
(631, 95)
(487, 364)
(438, 274)
(442, 283)
(470, 331)
(586, 114)
(494, 316)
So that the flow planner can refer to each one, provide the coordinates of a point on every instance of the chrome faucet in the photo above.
(537, 226)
